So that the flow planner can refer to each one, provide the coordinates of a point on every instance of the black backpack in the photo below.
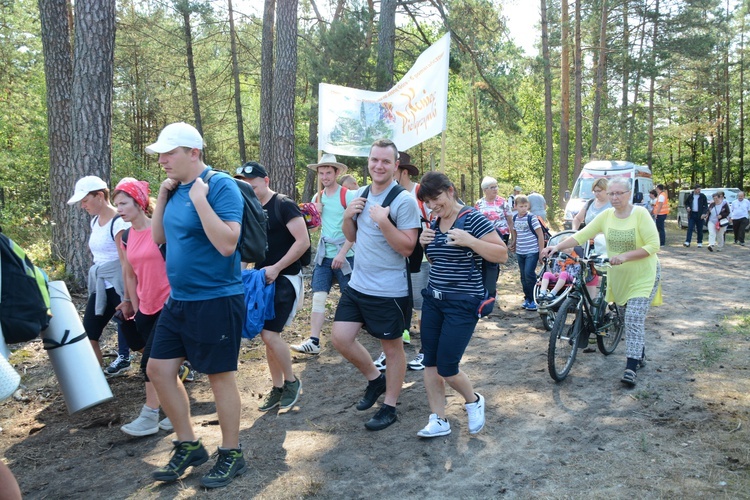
(111, 224)
(415, 259)
(253, 242)
(306, 258)
(24, 298)
(490, 270)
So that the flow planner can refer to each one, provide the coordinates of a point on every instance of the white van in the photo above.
(639, 175)
(730, 194)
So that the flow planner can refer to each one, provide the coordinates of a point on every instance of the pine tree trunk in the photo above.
(625, 75)
(191, 71)
(547, 106)
(93, 73)
(237, 94)
(564, 105)
(58, 70)
(601, 70)
(578, 154)
(652, 89)
(284, 79)
(386, 44)
(266, 84)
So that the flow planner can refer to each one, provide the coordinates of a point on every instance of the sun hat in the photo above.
(84, 186)
(404, 161)
(174, 136)
(328, 160)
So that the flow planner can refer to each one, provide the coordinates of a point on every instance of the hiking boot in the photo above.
(146, 424)
(230, 463)
(383, 418)
(184, 455)
(380, 362)
(290, 393)
(416, 363)
(306, 347)
(476, 414)
(118, 367)
(406, 337)
(272, 399)
(374, 390)
(435, 427)
(166, 425)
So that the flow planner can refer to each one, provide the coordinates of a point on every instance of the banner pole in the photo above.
(442, 152)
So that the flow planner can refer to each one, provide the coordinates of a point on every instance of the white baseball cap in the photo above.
(174, 136)
(86, 185)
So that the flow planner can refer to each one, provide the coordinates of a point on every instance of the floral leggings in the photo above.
(635, 321)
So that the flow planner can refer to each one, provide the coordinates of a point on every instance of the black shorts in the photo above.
(94, 324)
(283, 302)
(206, 332)
(384, 317)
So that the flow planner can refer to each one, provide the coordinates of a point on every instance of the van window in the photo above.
(583, 189)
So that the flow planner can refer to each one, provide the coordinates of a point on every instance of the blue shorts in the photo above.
(447, 327)
(323, 274)
(383, 317)
(205, 332)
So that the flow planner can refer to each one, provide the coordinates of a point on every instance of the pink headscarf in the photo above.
(138, 190)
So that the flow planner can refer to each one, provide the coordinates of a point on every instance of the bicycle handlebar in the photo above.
(596, 259)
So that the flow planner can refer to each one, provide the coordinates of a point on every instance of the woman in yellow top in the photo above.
(632, 243)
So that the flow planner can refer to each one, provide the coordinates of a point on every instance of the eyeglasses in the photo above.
(598, 190)
(617, 194)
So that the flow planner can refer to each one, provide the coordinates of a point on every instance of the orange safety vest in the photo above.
(664, 210)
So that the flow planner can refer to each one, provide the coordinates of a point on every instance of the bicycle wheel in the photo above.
(563, 339)
(607, 340)
(548, 319)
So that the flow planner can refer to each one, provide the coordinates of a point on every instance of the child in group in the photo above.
(527, 240)
(564, 270)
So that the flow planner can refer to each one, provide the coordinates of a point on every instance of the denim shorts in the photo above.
(447, 328)
(323, 274)
(205, 332)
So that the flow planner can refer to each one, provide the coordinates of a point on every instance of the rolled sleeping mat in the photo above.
(9, 377)
(78, 372)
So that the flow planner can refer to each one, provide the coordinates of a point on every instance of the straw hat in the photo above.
(328, 160)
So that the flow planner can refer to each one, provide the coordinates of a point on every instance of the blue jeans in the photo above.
(660, 220)
(694, 222)
(527, 265)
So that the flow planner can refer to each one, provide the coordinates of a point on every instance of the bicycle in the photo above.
(578, 317)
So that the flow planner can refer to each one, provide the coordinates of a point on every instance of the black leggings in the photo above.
(146, 324)
(94, 324)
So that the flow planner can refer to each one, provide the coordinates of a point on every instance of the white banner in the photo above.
(350, 120)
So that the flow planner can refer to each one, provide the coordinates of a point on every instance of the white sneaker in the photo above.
(166, 425)
(380, 362)
(306, 347)
(700, 245)
(416, 363)
(146, 424)
(686, 244)
(435, 427)
(476, 415)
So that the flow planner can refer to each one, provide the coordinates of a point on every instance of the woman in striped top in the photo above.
(454, 291)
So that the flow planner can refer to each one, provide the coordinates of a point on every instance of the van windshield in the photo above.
(583, 189)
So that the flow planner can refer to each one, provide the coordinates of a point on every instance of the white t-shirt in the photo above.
(739, 209)
(101, 243)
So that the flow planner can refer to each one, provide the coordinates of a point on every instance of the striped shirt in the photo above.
(457, 269)
(527, 241)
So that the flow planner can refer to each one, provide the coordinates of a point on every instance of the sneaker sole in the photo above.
(148, 432)
(165, 428)
(171, 477)
(438, 434)
(220, 483)
(477, 431)
(119, 373)
(416, 368)
(303, 351)
(261, 408)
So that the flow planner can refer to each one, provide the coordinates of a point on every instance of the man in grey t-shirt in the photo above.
(378, 294)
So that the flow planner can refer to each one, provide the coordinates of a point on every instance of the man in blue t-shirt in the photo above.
(202, 320)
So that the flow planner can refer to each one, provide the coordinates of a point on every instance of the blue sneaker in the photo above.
(525, 304)
(531, 306)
